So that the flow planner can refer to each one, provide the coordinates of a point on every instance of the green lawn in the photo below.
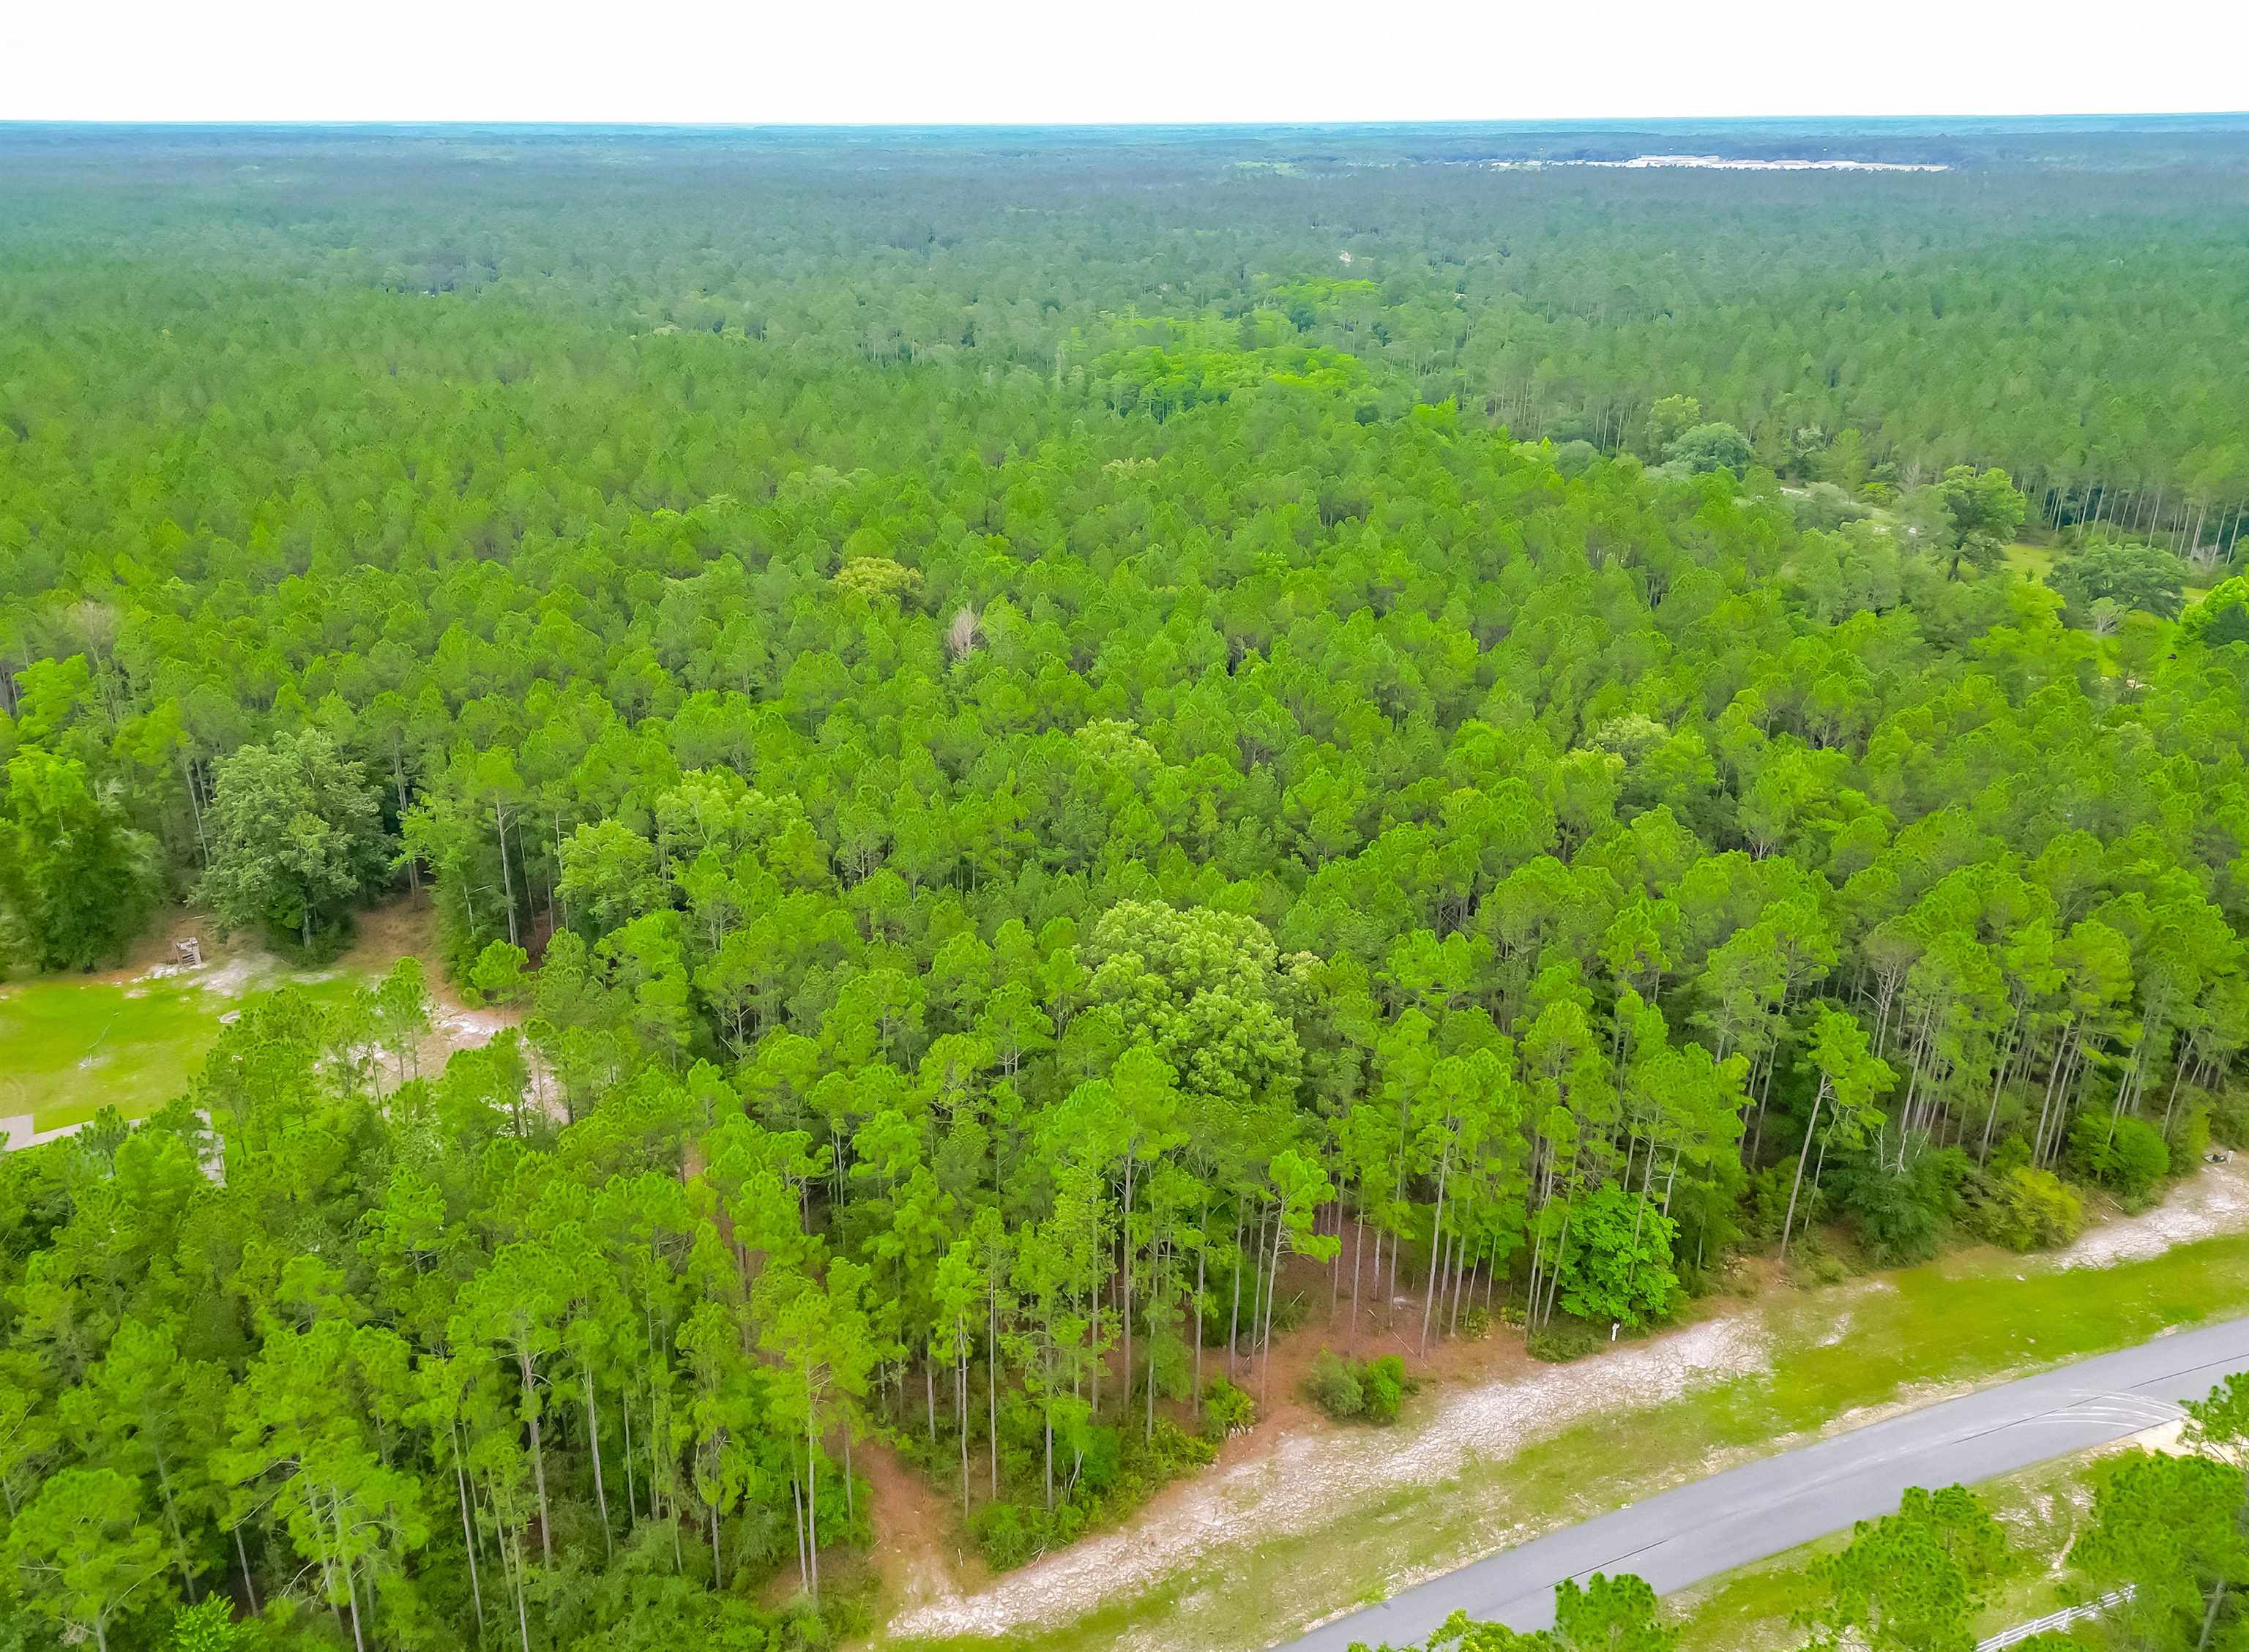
(69, 1047)
(1962, 1321)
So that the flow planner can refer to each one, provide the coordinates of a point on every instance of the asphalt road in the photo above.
(1695, 1531)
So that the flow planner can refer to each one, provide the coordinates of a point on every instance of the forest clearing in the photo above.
(131, 1039)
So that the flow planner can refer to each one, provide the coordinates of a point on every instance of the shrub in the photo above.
(1226, 1410)
(1384, 1382)
(2011, 1150)
(1372, 1389)
(1097, 1455)
(1765, 1202)
(1618, 1266)
(1167, 1451)
(1475, 1325)
(1006, 1534)
(2228, 1119)
(2125, 1155)
(1561, 1342)
(1290, 1311)
(1900, 1215)
(1815, 1261)
(1334, 1387)
(2029, 1210)
(2188, 1136)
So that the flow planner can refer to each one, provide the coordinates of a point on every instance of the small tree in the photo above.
(1971, 516)
(208, 1625)
(1911, 1582)
(1669, 417)
(2166, 1526)
(1610, 1614)
(2143, 577)
(497, 972)
(401, 1007)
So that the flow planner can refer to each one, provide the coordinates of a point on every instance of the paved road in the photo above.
(1695, 1531)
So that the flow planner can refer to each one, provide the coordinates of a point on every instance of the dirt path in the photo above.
(2214, 1200)
(917, 1551)
(1295, 1468)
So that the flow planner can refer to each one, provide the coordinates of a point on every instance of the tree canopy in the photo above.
(1058, 746)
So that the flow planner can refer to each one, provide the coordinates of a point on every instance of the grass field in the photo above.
(1909, 1338)
(2031, 561)
(69, 1047)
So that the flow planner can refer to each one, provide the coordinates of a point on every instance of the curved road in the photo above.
(1695, 1531)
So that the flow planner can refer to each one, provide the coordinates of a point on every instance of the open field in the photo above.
(70, 1048)
(1204, 1565)
(131, 1039)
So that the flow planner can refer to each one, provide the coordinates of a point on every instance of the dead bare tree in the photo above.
(964, 633)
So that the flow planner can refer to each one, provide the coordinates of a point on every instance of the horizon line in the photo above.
(283, 122)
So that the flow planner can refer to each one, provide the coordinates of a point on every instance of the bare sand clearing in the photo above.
(2215, 1200)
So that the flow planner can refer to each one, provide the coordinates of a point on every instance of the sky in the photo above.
(1006, 61)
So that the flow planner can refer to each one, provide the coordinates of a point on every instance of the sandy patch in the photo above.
(2215, 1200)
(470, 1029)
(238, 974)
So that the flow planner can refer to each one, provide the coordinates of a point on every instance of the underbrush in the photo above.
(1900, 1214)
(1563, 1340)
(1367, 1390)
(1101, 1472)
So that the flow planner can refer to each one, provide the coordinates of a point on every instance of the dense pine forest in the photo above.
(1076, 751)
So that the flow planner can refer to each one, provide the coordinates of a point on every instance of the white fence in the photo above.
(2061, 1619)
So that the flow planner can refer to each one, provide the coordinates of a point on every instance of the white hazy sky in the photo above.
(1014, 60)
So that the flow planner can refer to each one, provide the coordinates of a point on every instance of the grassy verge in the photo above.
(1749, 1610)
(1962, 1321)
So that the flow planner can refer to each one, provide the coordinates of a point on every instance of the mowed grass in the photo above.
(1961, 1322)
(69, 1047)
